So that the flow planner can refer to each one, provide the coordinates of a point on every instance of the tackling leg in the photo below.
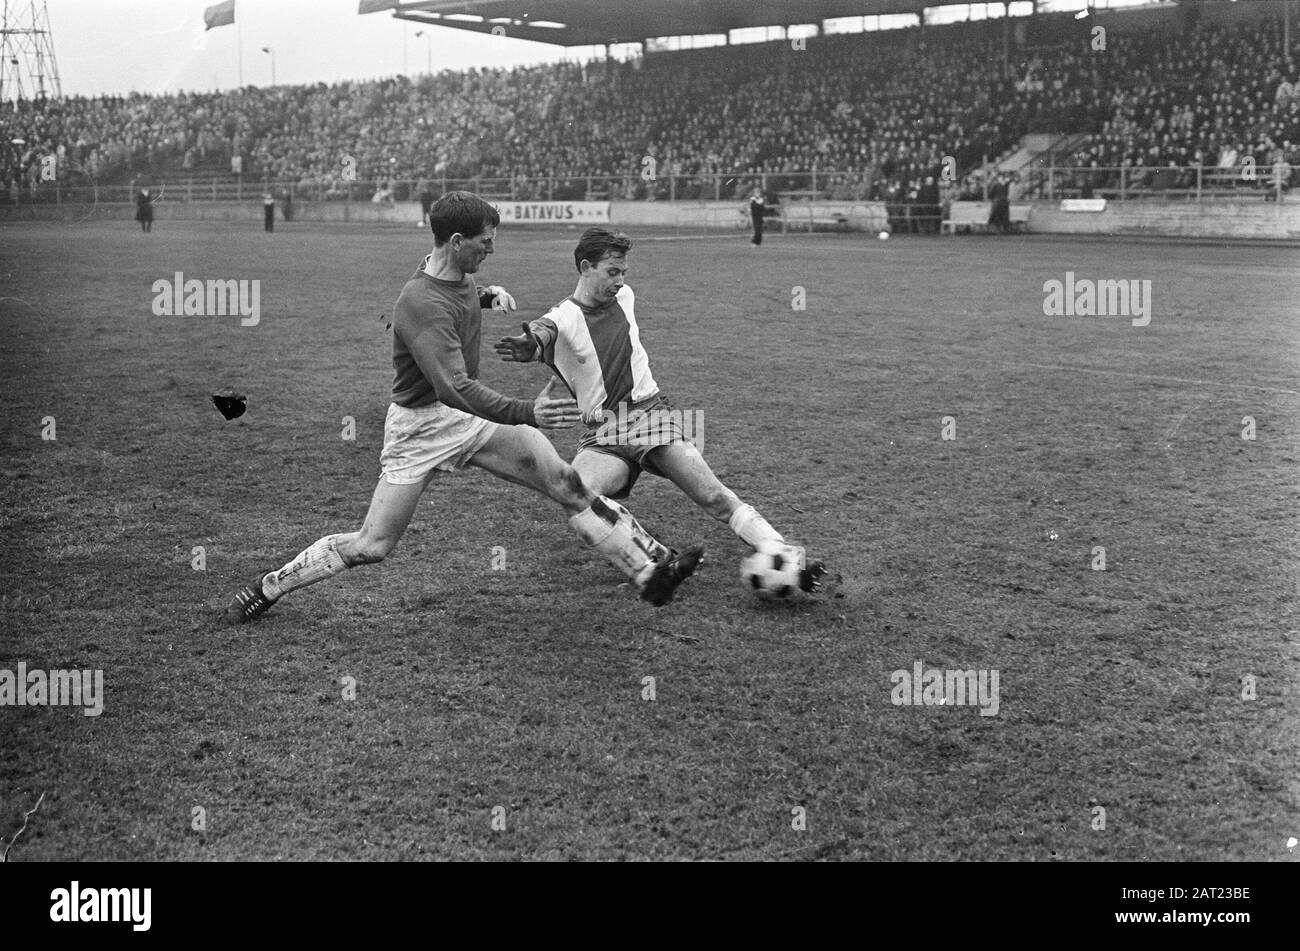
(524, 456)
(391, 508)
(683, 463)
(606, 475)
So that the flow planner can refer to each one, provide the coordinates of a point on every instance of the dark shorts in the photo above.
(632, 437)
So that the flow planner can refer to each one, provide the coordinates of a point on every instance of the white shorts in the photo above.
(422, 438)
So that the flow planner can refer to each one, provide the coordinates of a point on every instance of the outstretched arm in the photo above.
(523, 348)
(537, 342)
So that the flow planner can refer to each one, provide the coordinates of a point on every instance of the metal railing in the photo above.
(1194, 183)
(845, 186)
(1130, 182)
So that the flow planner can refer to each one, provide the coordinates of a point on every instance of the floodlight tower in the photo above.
(28, 68)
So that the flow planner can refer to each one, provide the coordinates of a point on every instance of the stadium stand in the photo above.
(853, 118)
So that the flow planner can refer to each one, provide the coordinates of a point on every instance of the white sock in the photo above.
(600, 527)
(316, 563)
(753, 528)
(656, 549)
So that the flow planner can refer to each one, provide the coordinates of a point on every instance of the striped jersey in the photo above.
(597, 352)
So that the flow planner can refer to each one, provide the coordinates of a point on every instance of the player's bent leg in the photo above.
(606, 475)
(522, 455)
(603, 473)
(391, 508)
(683, 463)
(685, 466)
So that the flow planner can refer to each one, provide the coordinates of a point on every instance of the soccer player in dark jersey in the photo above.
(593, 346)
(442, 419)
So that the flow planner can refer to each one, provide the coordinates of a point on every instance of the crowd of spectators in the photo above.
(1221, 101)
(873, 115)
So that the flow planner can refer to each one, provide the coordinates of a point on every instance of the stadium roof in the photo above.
(600, 22)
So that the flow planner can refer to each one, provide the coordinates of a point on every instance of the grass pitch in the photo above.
(516, 695)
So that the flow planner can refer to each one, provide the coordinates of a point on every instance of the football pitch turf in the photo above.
(958, 458)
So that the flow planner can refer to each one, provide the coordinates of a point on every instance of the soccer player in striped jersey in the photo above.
(442, 419)
(592, 345)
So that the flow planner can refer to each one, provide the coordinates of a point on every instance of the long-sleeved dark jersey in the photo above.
(437, 330)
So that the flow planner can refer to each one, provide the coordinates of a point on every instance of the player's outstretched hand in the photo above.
(555, 414)
(519, 349)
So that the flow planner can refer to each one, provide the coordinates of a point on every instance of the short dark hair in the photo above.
(596, 243)
(461, 213)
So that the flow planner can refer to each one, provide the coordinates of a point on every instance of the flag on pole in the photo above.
(374, 6)
(221, 14)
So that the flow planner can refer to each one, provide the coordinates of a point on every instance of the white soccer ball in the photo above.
(773, 573)
(884, 236)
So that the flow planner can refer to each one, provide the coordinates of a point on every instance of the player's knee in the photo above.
(371, 551)
(570, 489)
(720, 502)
